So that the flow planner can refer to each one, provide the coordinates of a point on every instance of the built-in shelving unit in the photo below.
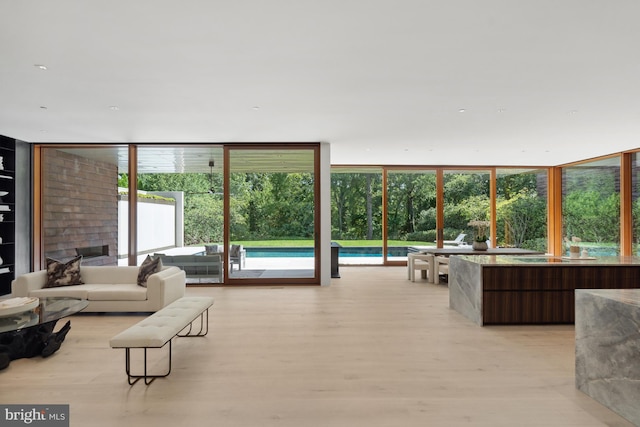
(7, 213)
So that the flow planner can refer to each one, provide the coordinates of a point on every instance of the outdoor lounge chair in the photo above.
(457, 241)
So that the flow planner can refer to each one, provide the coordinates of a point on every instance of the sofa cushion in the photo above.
(148, 267)
(79, 291)
(63, 274)
(117, 292)
(101, 274)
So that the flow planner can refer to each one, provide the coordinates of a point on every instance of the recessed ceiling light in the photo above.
(40, 66)
(114, 107)
(462, 110)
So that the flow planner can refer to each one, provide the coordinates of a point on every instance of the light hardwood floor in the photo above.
(373, 349)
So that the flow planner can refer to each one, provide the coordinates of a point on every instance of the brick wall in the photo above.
(80, 206)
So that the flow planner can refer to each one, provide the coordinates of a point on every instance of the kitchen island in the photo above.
(500, 289)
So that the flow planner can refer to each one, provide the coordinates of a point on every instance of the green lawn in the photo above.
(309, 243)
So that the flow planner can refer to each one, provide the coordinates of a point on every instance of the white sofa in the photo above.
(110, 288)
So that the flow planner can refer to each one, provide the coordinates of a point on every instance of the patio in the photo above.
(270, 267)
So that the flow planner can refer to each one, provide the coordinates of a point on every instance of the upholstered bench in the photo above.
(155, 331)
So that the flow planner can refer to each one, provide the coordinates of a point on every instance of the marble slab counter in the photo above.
(500, 289)
(528, 260)
(608, 348)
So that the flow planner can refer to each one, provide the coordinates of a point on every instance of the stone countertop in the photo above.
(625, 296)
(607, 365)
(541, 260)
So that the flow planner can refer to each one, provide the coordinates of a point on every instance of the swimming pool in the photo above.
(345, 251)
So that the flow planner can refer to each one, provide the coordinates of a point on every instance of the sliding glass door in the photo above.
(180, 209)
(272, 223)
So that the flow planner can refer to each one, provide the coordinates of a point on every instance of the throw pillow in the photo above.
(63, 273)
(148, 267)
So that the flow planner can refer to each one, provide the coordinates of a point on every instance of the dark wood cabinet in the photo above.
(545, 294)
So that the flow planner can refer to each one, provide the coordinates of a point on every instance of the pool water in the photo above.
(349, 251)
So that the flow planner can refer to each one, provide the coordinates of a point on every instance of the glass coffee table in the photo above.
(30, 333)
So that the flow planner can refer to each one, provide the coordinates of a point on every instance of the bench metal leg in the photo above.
(148, 378)
(204, 326)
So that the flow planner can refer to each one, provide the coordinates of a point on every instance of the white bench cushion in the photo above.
(157, 329)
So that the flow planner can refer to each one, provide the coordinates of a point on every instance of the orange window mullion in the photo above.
(554, 223)
(626, 205)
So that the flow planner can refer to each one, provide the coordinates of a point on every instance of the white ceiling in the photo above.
(540, 82)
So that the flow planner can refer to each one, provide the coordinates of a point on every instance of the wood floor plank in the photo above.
(373, 349)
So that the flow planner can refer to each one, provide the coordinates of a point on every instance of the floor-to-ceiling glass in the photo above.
(591, 206)
(467, 206)
(521, 208)
(356, 214)
(411, 211)
(180, 208)
(272, 214)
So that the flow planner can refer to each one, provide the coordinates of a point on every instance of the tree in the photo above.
(356, 203)
(521, 218)
(592, 216)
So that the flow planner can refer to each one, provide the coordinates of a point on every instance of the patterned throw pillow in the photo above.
(148, 267)
(63, 273)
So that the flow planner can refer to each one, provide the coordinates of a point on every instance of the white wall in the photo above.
(156, 226)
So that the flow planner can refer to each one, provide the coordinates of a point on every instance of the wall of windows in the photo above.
(378, 213)
(117, 204)
(406, 202)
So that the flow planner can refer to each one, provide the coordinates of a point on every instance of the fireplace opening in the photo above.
(93, 251)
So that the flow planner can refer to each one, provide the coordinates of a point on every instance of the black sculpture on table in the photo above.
(30, 342)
